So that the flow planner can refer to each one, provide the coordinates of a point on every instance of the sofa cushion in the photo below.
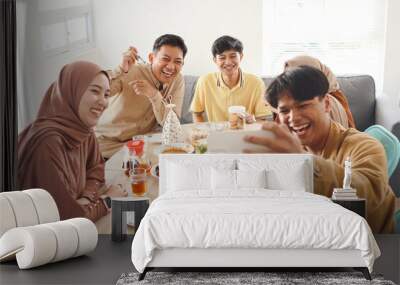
(360, 92)
(190, 85)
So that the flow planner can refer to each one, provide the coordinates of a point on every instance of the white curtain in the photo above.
(26, 110)
(348, 36)
(21, 26)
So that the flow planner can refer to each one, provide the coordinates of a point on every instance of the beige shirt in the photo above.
(369, 173)
(129, 114)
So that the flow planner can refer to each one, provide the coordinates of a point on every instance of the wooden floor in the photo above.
(111, 259)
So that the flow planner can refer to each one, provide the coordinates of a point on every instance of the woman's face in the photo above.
(95, 100)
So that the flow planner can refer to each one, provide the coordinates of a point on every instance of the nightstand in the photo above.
(119, 208)
(356, 205)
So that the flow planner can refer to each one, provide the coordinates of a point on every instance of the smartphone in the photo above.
(232, 141)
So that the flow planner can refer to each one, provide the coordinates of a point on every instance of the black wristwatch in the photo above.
(106, 201)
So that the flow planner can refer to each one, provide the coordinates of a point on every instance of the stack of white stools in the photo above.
(31, 230)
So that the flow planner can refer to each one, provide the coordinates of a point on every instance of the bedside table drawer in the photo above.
(357, 206)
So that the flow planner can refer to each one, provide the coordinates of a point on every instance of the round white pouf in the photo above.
(67, 239)
(45, 205)
(87, 235)
(40, 244)
(23, 208)
(33, 246)
(7, 216)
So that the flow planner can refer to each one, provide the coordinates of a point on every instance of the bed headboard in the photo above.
(296, 169)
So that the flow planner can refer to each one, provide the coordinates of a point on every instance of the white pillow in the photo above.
(251, 178)
(291, 179)
(223, 179)
(188, 177)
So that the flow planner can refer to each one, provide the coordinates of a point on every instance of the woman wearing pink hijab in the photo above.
(59, 151)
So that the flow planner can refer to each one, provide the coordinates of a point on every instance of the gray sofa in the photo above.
(360, 92)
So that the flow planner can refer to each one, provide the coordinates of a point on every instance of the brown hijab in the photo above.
(58, 111)
(313, 62)
(340, 109)
(58, 116)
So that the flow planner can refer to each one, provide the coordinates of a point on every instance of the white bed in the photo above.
(222, 217)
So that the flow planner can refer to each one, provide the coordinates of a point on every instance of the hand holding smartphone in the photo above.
(233, 141)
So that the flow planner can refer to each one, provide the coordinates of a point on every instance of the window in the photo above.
(66, 29)
(346, 35)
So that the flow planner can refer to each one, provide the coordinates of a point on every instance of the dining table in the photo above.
(115, 173)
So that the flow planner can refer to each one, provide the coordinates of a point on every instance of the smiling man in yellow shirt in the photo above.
(217, 91)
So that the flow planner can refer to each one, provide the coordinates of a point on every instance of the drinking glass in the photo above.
(138, 179)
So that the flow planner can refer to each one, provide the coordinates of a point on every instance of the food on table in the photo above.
(198, 134)
(201, 148)
(237, 117)
(173, 150)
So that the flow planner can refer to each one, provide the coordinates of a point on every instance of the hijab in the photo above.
(338, 108)
(59, 113)
(313, 62)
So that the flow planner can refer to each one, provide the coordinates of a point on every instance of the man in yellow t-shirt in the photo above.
(217, 91)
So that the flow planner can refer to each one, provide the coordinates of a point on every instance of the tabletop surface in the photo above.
(113, 169)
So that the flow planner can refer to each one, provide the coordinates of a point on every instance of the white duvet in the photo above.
(250, 219)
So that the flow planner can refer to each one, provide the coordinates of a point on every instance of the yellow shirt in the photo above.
(369, 173)
(214, 97)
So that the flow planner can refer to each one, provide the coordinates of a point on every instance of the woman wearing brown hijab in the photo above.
(340, 110)
(59, 151)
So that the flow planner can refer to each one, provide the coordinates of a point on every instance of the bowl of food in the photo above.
(175, 148)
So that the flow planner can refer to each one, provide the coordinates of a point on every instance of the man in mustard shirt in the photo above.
(299, 94)
(217, 91)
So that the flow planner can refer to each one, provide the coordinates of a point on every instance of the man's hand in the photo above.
(282, 142)
(143, 87)
(198, 117)
(128, 59)
(116, 191)
(250, 118)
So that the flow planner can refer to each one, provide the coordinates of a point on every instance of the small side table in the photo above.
(119, 207)
(357, 205)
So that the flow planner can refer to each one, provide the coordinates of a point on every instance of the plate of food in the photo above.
(155, 171)
(174, 148)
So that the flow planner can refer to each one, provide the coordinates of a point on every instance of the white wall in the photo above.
(391, 82)
(121, 23)
(388, 107)
(38, 70)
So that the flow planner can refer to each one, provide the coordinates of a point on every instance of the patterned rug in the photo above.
(240, 278)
